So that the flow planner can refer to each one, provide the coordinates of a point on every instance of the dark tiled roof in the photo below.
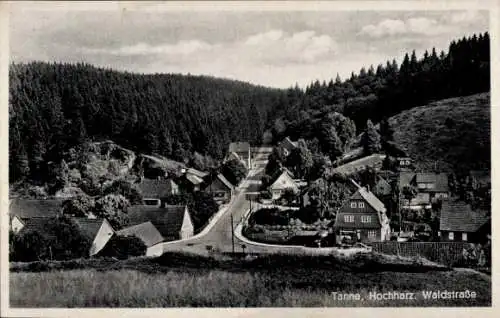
(41, 225)
(167, 220)
(89, 227)
(151, 188)
(25, 208)
(459, 216)
(239, 147)
(146, 231)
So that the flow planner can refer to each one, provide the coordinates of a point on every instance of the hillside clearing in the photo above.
(450, 135)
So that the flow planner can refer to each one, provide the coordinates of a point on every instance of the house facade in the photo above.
(147, 232)
(99, 231)
(220, 188)
(192, 180)
(362, 219)
(434, 184)
(153, 190)
(172, 221)
(459, 223)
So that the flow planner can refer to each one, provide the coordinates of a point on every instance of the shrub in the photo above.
(124, 188)
(123, 247)
(113, 207)
(80, 206)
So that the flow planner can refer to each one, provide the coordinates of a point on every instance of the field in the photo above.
(268, 282)
(451, 134)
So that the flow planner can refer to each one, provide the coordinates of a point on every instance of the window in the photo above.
(451, 236)
(348, 218)
(372, 234)
(464, 236)
(439, 233)
(366, 218)
(353, 205)
(361, 205)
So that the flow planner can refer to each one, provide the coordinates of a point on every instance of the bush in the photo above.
(113, 207)
(269, 217)
(124, 188)
(28, 246)
(58, 238)
(123, 247)
(80, 206)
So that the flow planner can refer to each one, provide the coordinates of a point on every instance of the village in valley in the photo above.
(304, 159)
(363, 203)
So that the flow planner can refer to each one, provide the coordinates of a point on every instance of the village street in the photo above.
(219, 236)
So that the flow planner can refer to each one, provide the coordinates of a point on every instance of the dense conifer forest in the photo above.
(55, 106)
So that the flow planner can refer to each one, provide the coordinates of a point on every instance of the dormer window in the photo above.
(361, 205)
(353, 204)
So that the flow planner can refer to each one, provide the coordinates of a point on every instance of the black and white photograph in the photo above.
(247, 155)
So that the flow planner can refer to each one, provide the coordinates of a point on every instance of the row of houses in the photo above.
(364, 216)
(151, 224)
(153, 221)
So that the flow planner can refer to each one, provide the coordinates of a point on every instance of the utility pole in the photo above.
(232, 232)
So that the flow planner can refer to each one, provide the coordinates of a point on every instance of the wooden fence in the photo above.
(448, 253)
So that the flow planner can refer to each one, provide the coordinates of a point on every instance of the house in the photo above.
(172, 221)
(22, 209)
(421, 201)
(282, 181)
(153, 190)
(480, 179)
(234, 156)
(287, 146)
(99, 231)
(192, 180)
(458, 222)
(243, 150)
(147, 232)
(436, 184)
(362, 218)
(220, 188)
(372, 161)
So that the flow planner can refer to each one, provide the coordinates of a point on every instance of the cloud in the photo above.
(386, 27)
(463, 17)
(418, 25)
(278, 47)
(265, 37)
(184, 47)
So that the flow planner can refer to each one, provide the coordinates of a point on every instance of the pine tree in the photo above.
(371, 139)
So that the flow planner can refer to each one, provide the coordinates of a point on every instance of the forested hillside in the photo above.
(56, 106)
(450, 135)
(380, 92)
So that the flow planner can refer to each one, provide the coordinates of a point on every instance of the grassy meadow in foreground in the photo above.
(223, 288)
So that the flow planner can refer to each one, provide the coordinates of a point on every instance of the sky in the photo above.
(276, 48)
